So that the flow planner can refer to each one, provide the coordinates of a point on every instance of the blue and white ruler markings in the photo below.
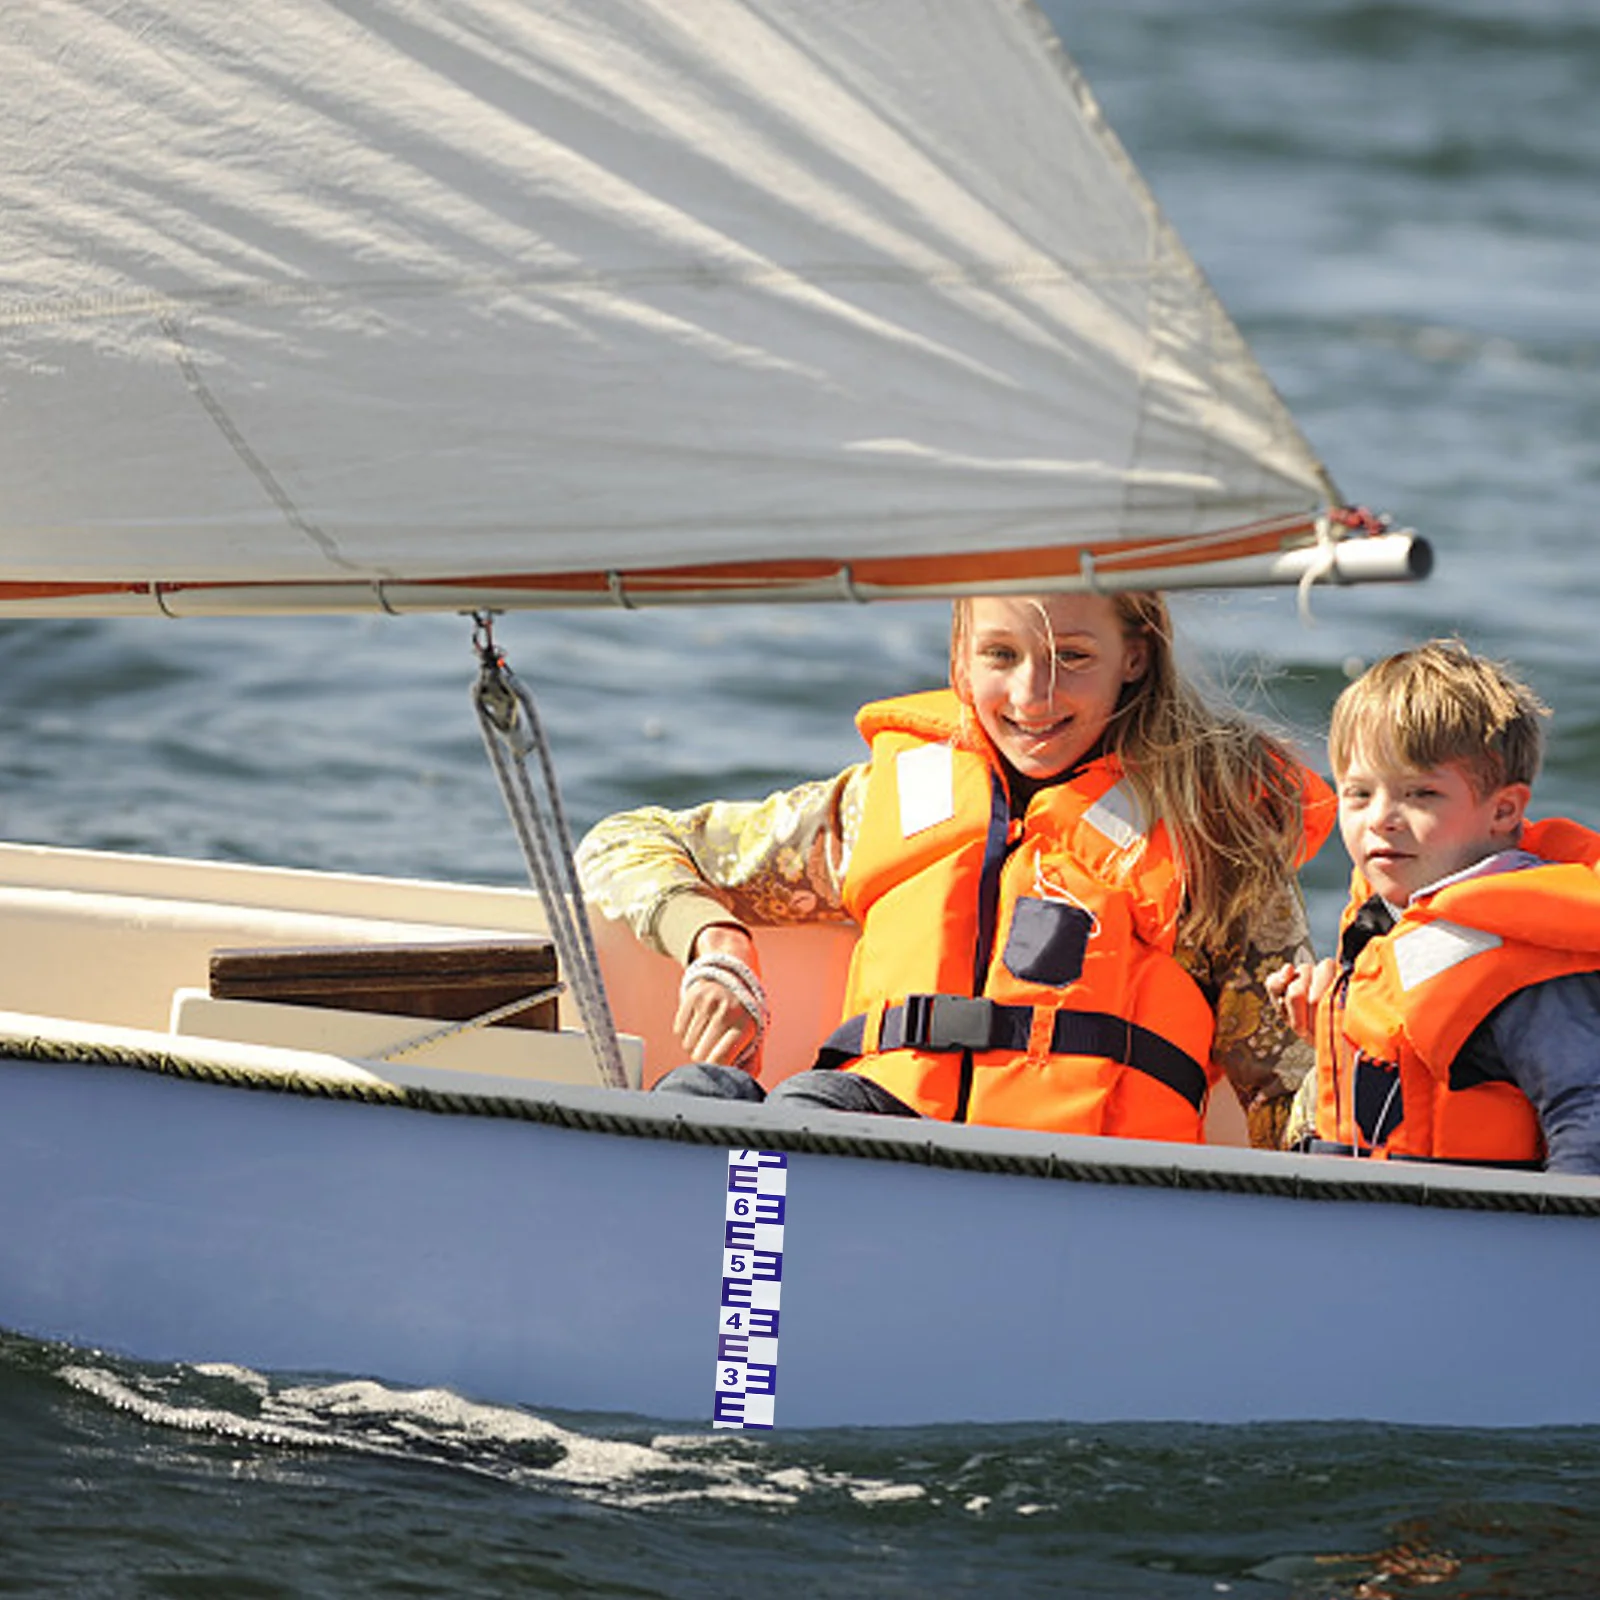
(752, 1282)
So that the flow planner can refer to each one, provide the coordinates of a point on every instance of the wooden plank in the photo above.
(447, 981)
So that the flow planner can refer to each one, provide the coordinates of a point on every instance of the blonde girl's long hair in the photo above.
(1227, 789)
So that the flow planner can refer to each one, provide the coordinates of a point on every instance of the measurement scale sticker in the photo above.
(752, 1280)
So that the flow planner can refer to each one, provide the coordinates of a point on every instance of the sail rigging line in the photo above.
(484, 1019)
(1324, 564)
(194, 379)
(512, 730)
(1334, 525)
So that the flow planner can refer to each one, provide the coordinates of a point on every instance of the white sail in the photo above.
(534, 301)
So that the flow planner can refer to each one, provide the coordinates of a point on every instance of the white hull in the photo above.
(560, 1244)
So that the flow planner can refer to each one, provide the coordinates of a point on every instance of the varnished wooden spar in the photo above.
(449, 982)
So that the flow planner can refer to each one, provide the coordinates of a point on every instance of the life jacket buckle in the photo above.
(948, 1022)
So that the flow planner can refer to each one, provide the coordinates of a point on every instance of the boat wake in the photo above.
(438, 1428)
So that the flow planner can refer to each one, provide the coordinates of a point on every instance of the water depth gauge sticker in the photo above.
(752, 1281)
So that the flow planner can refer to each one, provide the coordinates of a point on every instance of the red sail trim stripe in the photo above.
(887, 572)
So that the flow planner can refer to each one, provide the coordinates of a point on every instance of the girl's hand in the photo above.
(712, 1024)
(1296, 990)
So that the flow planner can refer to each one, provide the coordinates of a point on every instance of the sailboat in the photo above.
(522, 304)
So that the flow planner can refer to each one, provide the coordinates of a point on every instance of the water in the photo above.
(127, 1480)
(1401, 204)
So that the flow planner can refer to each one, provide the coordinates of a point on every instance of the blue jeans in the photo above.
(832, 1091)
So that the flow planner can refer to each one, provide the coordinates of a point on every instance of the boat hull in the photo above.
(509, 1257)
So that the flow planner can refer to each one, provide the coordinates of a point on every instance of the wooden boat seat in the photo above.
(452, 981)
(538, 1055)
(363, 1000)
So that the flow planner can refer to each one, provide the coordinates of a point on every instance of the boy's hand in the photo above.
(1296, 990)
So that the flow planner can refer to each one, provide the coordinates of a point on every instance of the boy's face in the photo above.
(1406, 829)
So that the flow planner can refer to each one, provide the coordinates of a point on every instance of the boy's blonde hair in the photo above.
(1228, 791)
(1440, 705)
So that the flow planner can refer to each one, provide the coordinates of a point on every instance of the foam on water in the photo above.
(234, 1405)
(437, 1427)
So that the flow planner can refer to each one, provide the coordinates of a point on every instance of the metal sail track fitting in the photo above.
(511, 731)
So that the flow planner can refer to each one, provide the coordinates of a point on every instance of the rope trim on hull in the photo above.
(701, 1122)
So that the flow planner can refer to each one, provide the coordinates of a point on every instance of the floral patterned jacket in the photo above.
(669, 874)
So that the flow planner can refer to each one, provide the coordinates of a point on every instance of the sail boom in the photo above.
(1384, 558)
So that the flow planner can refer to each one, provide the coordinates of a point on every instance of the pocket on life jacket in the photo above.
(1047, 941)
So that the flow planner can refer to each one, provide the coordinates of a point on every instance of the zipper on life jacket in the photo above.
(1329, 1012)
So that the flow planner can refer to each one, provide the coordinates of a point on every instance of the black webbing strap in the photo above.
(956, 1023)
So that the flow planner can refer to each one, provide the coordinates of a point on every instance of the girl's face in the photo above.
(1043, 675)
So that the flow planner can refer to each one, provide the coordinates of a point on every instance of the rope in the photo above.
(642, 1116)
(1334, 525)
(512, 731)
(484, 1018)
(1322, 566)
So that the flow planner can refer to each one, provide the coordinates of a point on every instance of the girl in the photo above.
(1071, 879)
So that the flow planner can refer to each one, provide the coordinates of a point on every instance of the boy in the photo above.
(1461, 1019)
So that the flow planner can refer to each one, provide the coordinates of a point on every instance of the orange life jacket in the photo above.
(1393, 1024)
(1017, 971)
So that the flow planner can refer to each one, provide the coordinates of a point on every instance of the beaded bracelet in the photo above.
(741, 982)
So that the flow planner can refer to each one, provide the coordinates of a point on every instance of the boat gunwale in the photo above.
(1002, 1152)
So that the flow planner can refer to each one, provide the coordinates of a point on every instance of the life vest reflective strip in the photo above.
(1054, 930)
(1389, 1032)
